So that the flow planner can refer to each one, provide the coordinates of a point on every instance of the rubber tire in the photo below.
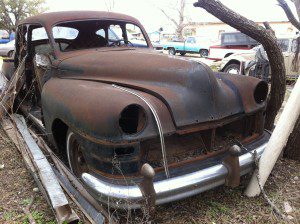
(232, 66)
(182, 53)
(69, 136)
(10, 54)
(172, 51)
(203, 53)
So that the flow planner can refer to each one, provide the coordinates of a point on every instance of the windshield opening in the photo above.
(79, 35)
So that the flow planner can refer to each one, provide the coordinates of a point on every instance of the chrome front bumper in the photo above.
(172, 189)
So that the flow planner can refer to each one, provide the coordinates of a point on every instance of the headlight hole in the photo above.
(261, 92)
(132, 119)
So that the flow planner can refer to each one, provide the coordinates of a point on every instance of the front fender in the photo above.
(92, 109)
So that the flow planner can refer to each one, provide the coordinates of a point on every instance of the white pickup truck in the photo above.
(235, 62)
(231, 43)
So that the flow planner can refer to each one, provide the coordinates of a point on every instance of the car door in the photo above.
(190, 44)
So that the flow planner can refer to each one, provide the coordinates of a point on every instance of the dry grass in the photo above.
(16, 188)
(226, 205)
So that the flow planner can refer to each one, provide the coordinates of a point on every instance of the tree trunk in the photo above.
(297, 4)
(270, 44)
(292, 149)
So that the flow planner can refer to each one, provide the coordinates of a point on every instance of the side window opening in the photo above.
(101, 33)
(191, 40)
(115, 32)
(64, 36)
(40, 41)
(136, 36)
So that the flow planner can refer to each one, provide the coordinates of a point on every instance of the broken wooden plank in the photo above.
(57, 197)
(89, 211)
(8, 94)
(16, 138)
(85, 200)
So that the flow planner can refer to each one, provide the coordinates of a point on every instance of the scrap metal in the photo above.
(58, 200)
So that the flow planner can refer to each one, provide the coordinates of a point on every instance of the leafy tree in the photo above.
(12, 11)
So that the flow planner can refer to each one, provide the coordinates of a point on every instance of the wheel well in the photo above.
(232, 62)
(59, 131)
(227, 55)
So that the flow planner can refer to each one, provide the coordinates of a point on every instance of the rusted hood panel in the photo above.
(190, 90)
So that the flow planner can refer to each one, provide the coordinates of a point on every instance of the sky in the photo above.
(149, 14)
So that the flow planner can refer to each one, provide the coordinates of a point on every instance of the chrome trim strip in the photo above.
(167, 190)
(158, 123)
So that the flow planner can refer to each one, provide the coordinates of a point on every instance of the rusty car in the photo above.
(134, 125)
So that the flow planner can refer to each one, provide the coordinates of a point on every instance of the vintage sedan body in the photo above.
(133, 123)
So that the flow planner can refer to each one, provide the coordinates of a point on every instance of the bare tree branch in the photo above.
(283, 4)
(169, 17)
(110, 5)
(270, 44)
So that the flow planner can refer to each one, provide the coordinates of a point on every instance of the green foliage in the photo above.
(38, 218)
(13, 11)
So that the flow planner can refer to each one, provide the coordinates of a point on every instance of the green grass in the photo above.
(38, 218)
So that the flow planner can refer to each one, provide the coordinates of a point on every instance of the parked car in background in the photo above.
(231, 43)
(5, 37)
(192, 45)
(7, 50)
(158, 47)
(132, 124)
(235, 62)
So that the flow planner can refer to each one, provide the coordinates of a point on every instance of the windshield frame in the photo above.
(58, 52)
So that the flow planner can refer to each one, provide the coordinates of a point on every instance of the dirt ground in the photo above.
(221, 205)
(17, 188)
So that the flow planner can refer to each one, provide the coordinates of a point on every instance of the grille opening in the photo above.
(133, 119)
(199, 144)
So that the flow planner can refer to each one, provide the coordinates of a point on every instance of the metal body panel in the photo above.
(92, 109)
(189, 89)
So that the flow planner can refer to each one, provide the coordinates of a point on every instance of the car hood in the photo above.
(189, 89)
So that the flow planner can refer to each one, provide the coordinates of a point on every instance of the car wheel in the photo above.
(203, 53)
(172, 51)
(75, 155)
(10, 54)
(233, 69)
(182, 53)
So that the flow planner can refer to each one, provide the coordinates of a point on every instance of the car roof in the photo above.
(52, 18)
